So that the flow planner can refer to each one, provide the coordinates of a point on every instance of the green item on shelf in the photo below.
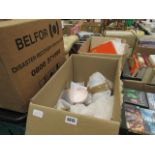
(130, 22)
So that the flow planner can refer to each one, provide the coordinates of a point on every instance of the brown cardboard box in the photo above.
(30, 52)
(43, 118)
(149, 73)
(67, 29)
(138, 86)
(91, 27)
(146, 50)
(129, 36)
(94, 41)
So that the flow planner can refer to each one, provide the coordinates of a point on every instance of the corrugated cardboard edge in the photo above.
(119, 97)
(121, 82)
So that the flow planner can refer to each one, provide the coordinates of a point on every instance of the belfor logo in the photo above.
(31, 38)
(54, 29)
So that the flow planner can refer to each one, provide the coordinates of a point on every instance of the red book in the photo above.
(107, 48)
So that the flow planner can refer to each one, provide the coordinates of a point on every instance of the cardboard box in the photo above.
(43, 118)
(67, 29)
(129, 36)
(149, 73)
(91, 27)
(138, 85)
(148, 51)
(30, 52)
(94, 41)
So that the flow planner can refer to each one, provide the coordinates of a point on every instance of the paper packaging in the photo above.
(95, 41)
(129, 36)
(30, 52)
(43, 118)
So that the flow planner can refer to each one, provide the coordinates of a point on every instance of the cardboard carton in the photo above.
(149, 73)
(148, 51)
(95, 41)
(67, 29)
(30, 52)
(43, 118)
(91, 27)
(129, 36)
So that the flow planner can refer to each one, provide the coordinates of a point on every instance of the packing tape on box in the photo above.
(101, 87)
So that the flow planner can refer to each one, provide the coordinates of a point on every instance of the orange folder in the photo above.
(107, 48)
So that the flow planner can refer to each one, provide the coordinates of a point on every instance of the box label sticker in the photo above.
(38, 113)
(71, 120)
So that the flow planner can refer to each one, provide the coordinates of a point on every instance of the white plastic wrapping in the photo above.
(78, 100)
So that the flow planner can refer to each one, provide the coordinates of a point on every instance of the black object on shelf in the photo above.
(76, 47)
(12, 123)
(12, 116)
